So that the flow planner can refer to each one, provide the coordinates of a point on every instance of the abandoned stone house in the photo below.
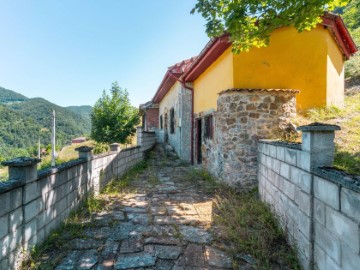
(213, 108)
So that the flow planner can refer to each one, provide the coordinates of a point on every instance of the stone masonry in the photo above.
(243, 117)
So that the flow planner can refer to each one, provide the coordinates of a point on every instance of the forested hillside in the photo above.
(8, 96)
(84, 110)
(24, 121)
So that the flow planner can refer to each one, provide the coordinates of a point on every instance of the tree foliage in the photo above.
(351, 17)
(113, 118)
(250, 22)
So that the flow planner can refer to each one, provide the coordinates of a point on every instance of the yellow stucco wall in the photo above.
(217, 77)
(292, 60)
(335, 74)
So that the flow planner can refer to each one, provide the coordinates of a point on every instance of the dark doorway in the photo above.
(199, 140)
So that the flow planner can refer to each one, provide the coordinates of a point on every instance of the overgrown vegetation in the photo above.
(347, 156)
(246, 224)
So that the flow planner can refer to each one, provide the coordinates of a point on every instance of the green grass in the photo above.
(347, 140)
(248, 226)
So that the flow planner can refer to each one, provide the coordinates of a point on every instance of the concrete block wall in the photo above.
(34, 203)
(317, 206)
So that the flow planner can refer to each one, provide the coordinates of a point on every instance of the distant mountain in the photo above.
(8, 96)
(84, 110)
(26, 120)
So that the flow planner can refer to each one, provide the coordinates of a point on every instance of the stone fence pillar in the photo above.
(139, 131)
(84, 152)
(115, 147)
(22, 169)
(318, 144)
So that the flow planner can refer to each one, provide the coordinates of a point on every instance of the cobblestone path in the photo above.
(165, 224)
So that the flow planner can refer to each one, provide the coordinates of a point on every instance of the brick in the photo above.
(290, 156)
(4, 226)
(319, 211)
(327, 192)
(303, 201)
(285, 170)
(325, 239)
(344, 227)
(350, 202)
(303, 160)
(15, 219)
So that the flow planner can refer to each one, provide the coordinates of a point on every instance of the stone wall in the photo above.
(317, 205)
(34, 203)
(243, 117)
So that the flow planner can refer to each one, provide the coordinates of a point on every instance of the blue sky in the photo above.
(68, 51)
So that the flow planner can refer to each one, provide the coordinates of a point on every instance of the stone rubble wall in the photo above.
(317, 208)
(243, 117)
(30, 210)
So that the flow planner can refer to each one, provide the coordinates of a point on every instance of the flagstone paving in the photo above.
(166, 224)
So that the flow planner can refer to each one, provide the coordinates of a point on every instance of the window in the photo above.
(161, 122)
(172, 121)
(209, 126)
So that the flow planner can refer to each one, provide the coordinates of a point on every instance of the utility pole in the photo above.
(39, 151)
(53, 153)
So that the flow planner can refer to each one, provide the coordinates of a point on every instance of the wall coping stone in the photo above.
(292, 145)
(62, 167)
(151, 132)
(318, 127)
(131, 148)
(84, 149)
(21, 162)
(271, 90)
(339, 177)
(10, 185)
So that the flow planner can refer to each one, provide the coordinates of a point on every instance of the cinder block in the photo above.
(31, 192)
(272, 151)
(319, 211)
(350, 203)
(289, 189)
(325, 239)
(276, 165)
(319, 258)
(290, 156)
(15, 239)
(31, 210)
(280, 153)
(303, 244)
(344, 227)
(15, 219)
(303, 201)
(4, 226)
(304, 223)
(303, 160)
(30, 230)
(350, 259)
(4, 264)
(327, 192)
(285, 170)
(331, 265)
(44, 217)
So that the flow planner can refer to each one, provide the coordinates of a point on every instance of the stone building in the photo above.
(150, 116)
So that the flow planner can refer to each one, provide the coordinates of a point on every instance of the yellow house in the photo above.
(310, 61)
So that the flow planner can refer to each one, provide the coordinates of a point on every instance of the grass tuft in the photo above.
(250, 227)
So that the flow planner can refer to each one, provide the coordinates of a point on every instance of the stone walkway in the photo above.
(165, 224)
